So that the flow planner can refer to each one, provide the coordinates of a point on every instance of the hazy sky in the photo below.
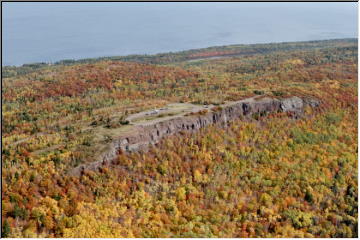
(35, 32)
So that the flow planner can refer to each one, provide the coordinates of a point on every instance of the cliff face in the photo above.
(144, 136)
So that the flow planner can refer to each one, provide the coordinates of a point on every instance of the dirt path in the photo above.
(172, 110)
(28, 138)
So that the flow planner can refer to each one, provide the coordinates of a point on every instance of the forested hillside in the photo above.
(272, 176)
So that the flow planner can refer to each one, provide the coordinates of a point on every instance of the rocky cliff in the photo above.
(149, 134)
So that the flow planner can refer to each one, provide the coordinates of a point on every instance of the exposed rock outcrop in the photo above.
(145, 135)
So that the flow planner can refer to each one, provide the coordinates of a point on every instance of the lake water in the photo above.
(48, 32)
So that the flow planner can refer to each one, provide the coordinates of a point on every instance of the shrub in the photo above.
(309, 196)
(162, 169)
(258, 92)
(124, 122)
(181, 193)
(197, 176)
(56, 159)
(87, 141)
(299, 219)
(94, 123)
(332, 118)
(278, 93)
(19, 212)
(5, 230)
(266, 199)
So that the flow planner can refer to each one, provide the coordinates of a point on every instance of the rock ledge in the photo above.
(144, 136)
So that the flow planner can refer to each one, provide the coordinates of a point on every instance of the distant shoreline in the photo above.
(125, 57)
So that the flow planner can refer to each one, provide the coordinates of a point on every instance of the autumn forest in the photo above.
(268, 176)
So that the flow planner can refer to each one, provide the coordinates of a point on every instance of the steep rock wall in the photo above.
(144, 136)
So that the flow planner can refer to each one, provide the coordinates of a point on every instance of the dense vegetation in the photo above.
(272, 177)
